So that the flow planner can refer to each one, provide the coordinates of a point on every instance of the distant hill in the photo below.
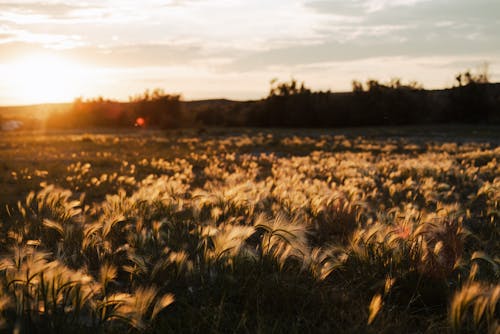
(36, 111)
(41, 111)
(210, 103)
(376, 105)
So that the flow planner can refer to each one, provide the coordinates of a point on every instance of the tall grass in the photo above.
(357, 236)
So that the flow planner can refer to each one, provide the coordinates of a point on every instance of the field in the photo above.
(391, 230)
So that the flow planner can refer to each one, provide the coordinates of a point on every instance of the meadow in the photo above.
(389, 230)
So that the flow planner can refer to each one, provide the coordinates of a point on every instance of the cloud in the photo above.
(415, 42)
(338, 7)
(141, 55)
(122, 56)
(416, 12)
(237, 25)
(51, 13)
(406, 28)
(180, 3)
(10, 36)
(445, 14)
(458, 11)
(52, 10)
(148, 40)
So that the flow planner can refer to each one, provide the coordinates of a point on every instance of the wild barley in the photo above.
(475, 306)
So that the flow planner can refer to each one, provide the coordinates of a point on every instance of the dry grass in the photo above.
(253, 232)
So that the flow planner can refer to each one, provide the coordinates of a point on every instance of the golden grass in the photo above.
(357, 228)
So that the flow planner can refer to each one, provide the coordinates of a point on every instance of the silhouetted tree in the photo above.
(158, 109)
(292, 104)
(470, 100)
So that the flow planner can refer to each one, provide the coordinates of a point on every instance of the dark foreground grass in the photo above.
(385, 230)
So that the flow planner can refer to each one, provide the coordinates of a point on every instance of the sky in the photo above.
(54, 51)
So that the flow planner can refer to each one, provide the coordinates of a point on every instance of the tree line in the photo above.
(292, 104)
(156, 108)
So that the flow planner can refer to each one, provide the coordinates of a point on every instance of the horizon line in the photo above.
(117, 100)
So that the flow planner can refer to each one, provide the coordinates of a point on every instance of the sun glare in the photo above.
(45, 78)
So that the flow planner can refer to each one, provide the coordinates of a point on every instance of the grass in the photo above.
(268, 231)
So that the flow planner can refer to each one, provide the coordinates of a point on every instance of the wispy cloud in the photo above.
(218, 39)
(47, 9)
(11, 36)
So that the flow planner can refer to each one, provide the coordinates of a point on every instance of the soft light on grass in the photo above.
(252, 232)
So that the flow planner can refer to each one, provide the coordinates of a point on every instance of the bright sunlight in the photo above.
(45, 78)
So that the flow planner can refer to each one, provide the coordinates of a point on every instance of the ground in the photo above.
(252, 230)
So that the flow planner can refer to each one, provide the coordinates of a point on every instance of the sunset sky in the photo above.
(53, 51)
